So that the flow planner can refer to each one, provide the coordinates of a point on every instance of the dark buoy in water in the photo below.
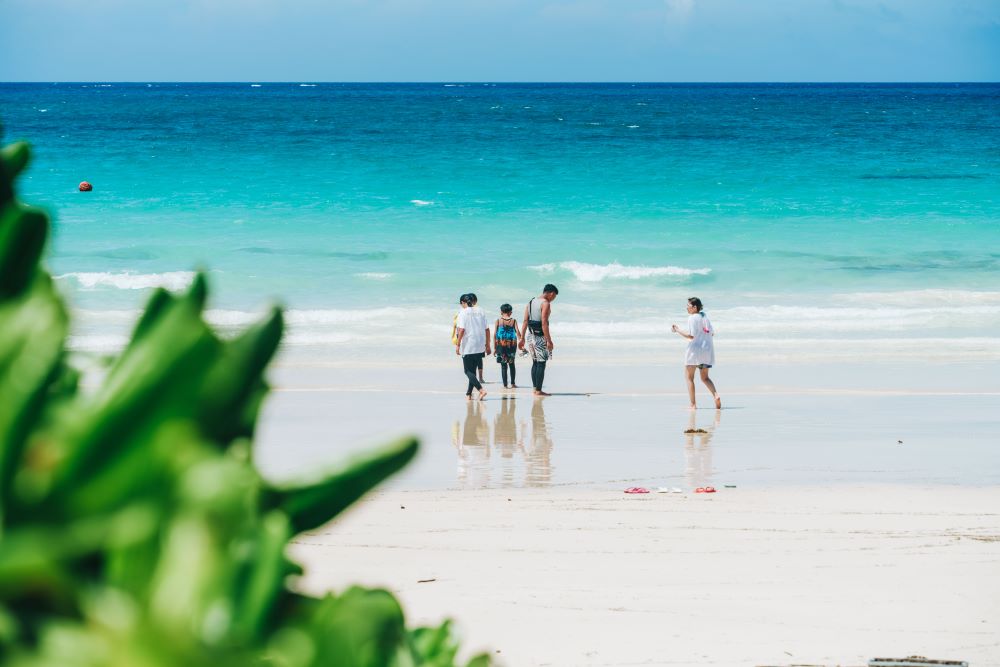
(86, 187)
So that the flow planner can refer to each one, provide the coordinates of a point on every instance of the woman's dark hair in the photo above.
(506, 308)
(550, 288)
(696, 302)
(472, 298)
(465, 299)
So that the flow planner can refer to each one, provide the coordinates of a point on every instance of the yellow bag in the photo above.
(454, 331)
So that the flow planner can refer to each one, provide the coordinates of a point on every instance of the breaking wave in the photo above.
(172, 280)
(592, 273)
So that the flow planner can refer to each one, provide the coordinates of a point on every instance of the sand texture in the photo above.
(824, 575)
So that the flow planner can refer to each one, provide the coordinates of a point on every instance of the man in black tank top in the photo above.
(535, 334)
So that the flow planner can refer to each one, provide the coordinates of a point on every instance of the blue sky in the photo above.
(499, 40)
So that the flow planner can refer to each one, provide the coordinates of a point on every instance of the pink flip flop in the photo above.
(705, 489)
(636, 489)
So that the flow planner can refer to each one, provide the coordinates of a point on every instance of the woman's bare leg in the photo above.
(689, 376)
(711, 387)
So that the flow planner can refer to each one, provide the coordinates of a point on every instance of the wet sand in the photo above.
(598, 433)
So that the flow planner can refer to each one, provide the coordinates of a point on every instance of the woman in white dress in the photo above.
(700, 350)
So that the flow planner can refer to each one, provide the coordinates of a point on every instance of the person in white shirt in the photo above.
(473, 332)
(700, 352)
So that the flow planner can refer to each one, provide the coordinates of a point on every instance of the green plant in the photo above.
(134, 529)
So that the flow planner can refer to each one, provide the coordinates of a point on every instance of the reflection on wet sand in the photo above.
(538, 460)
(698, 452)
(519, 465)
(508, 439)
(471, 439)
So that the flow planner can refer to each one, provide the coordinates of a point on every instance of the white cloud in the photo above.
(679, 11)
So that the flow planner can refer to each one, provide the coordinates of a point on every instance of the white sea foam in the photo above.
(172, 280)
(295, 338)
(928, 297)
(749, 333)
(255, 85)
(421, 202)
(591, 273)
(786, 324)
(106, 317)
(307, 85)
(787, 321)
(101, 343)
(374, 275)
(390, 316)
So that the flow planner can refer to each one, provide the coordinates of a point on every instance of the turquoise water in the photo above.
(813, 215)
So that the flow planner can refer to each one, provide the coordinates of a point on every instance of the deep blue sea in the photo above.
(815, 221)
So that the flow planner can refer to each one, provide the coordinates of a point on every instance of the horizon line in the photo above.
(505, 82)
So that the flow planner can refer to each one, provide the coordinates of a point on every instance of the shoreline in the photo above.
(819, 575)
(622, 436)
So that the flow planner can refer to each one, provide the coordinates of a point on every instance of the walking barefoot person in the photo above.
(474, 303)
(473, 334)
(505, 341)
(535, 334)
(700, 349)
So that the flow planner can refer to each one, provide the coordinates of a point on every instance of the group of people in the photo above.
(474, 340)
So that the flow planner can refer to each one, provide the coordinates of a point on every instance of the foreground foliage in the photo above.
(134, 529)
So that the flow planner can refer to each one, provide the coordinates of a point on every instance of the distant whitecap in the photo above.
(172, 280)
(591, 273)
(420, 202)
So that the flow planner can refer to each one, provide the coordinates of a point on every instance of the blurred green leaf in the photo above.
(22, 238)
(434, 646)
(359, 628)
(13, 159)
(311, 505)
(31, 338)
(234, 388)
(152, 384)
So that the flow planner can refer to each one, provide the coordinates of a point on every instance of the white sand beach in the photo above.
(793, 575)
(865, 521)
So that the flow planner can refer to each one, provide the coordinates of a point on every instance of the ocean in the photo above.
(821, 222)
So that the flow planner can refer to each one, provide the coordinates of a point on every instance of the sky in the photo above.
(499, 40)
